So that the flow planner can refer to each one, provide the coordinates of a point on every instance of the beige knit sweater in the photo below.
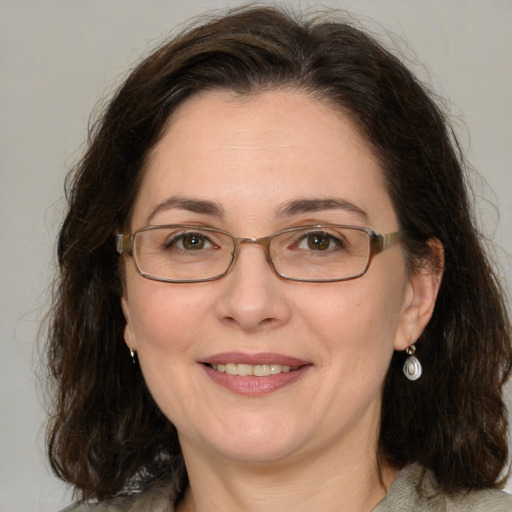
(414, 490)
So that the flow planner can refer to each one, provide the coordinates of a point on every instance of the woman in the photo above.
(272, 292)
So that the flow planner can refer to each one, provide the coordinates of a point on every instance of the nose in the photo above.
(253, 297)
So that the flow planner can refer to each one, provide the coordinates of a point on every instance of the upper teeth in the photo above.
(258, 370)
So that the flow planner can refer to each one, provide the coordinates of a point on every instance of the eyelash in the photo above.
(338, 242)
(176, 239)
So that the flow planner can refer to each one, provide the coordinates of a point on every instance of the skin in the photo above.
(310, 445)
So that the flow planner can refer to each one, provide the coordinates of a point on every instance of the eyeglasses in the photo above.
(190, 254)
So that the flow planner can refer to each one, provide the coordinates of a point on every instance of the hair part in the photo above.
(106, 433)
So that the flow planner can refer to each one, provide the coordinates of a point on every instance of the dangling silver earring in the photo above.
(412, 367)
(133, 354)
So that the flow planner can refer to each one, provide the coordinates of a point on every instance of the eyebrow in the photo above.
(288, 209)
(300, 206)
(185, 203)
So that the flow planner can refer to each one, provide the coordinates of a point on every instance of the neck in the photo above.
(326, 483)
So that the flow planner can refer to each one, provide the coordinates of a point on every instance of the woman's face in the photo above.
(254, 158)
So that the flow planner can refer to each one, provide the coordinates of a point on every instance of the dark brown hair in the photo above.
(106, 434)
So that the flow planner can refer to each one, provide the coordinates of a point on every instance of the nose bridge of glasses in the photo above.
(264, 242)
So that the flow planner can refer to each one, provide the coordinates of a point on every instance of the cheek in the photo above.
(354, 317)
(163, 323)
(161, 316)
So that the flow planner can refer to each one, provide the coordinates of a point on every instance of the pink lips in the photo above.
(254, 359)
(252, 385)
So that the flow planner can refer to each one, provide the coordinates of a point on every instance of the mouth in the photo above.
(249, 370)
(254, 374)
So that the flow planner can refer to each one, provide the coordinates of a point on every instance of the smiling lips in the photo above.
(258, 370)
(256, 374)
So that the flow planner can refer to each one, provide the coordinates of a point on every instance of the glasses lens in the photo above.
(321, 254)
(179, 253)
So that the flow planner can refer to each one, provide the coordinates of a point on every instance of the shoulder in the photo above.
(417, 489)
(152, 495)
(150, 501)
(485, 500)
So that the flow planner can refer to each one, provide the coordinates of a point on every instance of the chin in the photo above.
(259, 452)
(261, 442)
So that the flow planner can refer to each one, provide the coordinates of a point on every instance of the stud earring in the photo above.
(412, 367)
(133, 354)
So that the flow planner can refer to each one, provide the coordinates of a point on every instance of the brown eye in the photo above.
(189, 242)
(192, 242)
(318, 241)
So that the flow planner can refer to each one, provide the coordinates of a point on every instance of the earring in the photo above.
(412, 367)
(133, 354)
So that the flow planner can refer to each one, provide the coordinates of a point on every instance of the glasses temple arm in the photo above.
(123, 243)
(384, 241)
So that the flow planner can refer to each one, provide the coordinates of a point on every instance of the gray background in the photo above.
(59, 58)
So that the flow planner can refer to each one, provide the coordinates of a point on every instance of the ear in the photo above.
(420, 297)
(129, 337)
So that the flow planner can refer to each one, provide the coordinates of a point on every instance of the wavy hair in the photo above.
(106, 434)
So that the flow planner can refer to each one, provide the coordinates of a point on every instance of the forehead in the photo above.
(253, 153)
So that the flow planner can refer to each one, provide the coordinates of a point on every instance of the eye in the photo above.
(319, 241)
(189, 242)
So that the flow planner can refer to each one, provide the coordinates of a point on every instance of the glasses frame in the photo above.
(125, 244)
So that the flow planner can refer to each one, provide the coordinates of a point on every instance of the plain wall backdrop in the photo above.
(59, 58)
